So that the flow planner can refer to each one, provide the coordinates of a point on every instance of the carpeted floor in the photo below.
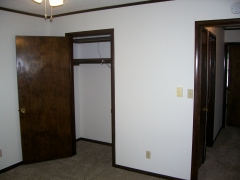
(93, 162)
(223, 159)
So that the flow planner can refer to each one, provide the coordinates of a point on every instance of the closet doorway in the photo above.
(94, 91)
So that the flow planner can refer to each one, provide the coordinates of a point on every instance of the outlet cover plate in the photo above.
(190, 93)
(148, 154)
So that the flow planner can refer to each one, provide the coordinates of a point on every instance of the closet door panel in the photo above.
(44, 73)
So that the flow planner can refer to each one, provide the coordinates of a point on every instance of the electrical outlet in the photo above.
(148, 154)
(0, 153)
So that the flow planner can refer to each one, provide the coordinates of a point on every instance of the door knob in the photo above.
(23, 110)
(205, 109)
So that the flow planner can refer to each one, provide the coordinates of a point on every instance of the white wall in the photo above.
(11, 25)
(232, 36)
(219, 84)
(93, 93)
(92, 50)
(154, 54)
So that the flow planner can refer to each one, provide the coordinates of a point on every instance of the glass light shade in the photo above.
(38, 1)
(55, 2)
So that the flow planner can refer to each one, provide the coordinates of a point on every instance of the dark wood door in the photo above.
(45, 98)
(233, 101)
(204, 95)
(211, 88)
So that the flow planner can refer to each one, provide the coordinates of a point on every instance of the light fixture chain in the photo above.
(52, 3)
(45, 10)
(51, 18)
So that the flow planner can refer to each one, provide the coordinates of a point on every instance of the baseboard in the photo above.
(94, 141)
(11, 167)
(146, 172)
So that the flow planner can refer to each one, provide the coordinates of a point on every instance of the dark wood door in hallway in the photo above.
(233, 100)
(204, 97)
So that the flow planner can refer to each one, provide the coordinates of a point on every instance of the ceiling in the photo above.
(69, 6)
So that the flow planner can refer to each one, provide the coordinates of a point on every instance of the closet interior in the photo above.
(92, 60)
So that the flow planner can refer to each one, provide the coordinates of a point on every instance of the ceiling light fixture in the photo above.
(51, 3)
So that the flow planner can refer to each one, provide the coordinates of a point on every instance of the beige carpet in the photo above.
(94, 162)
(223, 159)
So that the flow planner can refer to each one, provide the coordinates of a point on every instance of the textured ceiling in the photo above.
(69, 5)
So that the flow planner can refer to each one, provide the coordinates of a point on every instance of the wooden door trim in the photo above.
(74, 148)
(197, 92)
(111, 33)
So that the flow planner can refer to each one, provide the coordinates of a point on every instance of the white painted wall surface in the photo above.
(232, 36)
(76, 94)
(12, 24)
(93, 93)
(92, 50)
(154, 54)
(219, 84)
(77, 101)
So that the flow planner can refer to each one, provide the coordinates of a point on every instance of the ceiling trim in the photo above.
(21, 12)
(85, 11)
(110, 7)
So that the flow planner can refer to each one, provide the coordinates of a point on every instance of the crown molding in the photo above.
(84, 11)
(21, 12)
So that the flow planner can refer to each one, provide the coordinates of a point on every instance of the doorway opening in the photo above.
(231, 100)
(93, 72)
(208, 67)
(196, 149)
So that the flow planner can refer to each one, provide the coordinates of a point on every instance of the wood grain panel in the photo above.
(44, 89)
(203, 114)
(211, 88)
(233, 107)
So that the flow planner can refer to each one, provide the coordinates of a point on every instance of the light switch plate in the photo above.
(179, 92)
(190, 93)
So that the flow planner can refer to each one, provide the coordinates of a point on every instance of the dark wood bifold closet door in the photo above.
(233, 102)
(44, 90)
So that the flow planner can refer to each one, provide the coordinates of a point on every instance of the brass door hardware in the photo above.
(205, 109)
(23, 110)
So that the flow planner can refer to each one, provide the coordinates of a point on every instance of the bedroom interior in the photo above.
(126, 63)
